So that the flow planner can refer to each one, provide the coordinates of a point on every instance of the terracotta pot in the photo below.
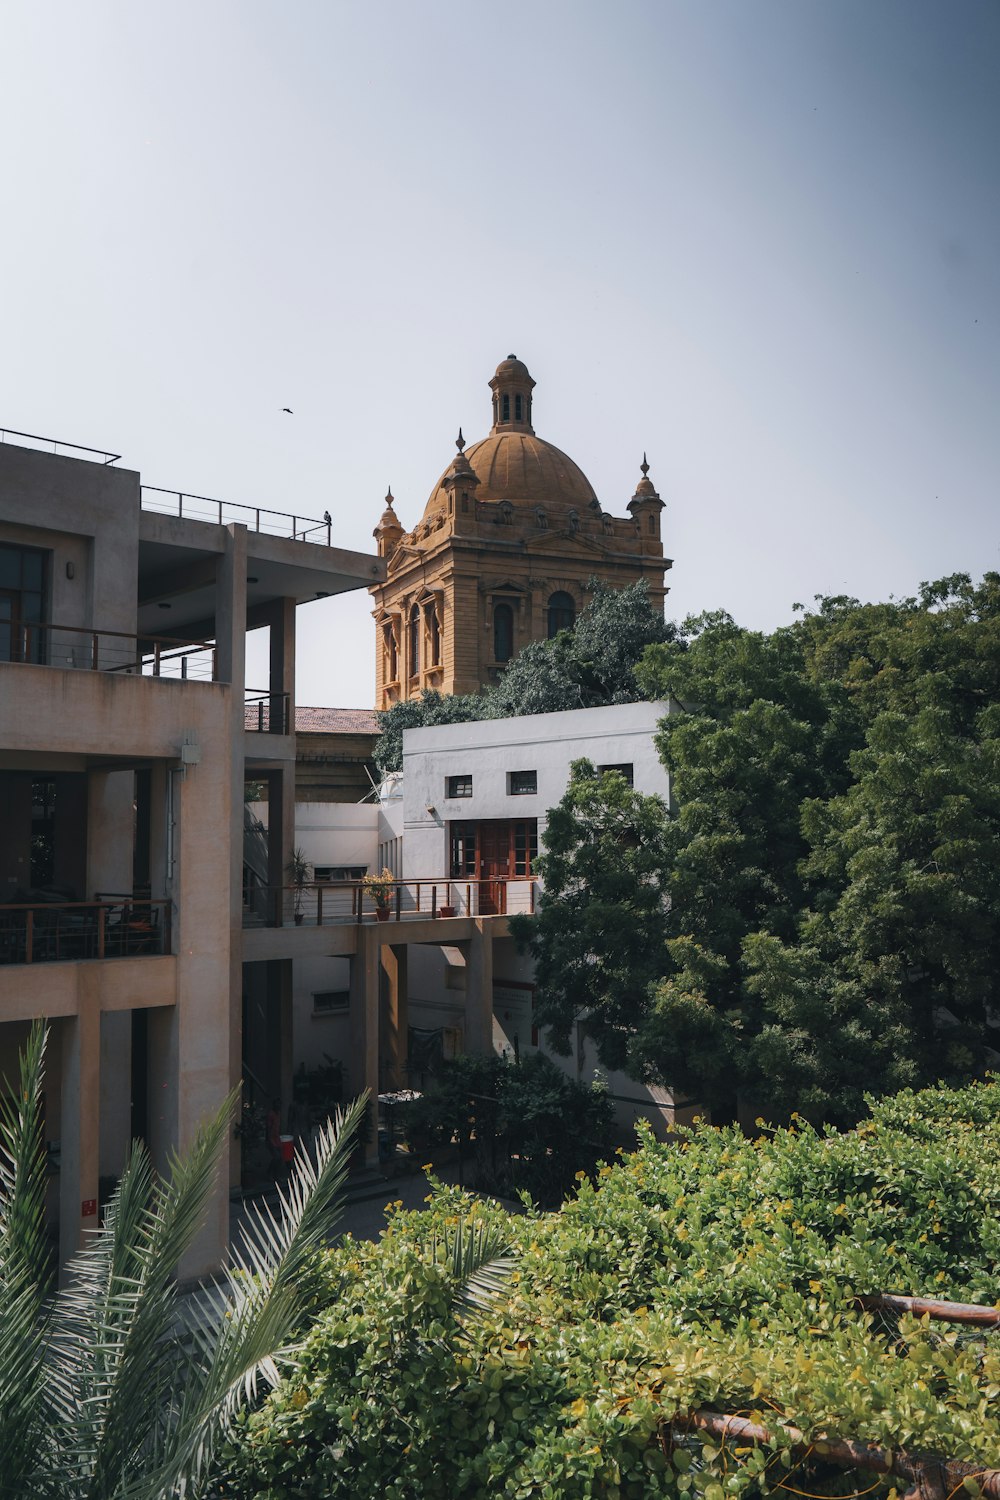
(446, 911)
(383, 913)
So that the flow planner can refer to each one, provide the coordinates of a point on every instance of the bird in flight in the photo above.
(289, 410)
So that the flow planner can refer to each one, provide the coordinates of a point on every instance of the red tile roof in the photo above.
(336, 721)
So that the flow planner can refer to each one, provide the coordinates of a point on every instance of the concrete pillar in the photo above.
(230, 666)
(116, 1090)
(479, 989)
(109, 831)
(80, 1111)
(365, 970)
(282, 660)
(396, 969)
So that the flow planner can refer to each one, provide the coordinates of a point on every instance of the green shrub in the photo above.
(720, 1272)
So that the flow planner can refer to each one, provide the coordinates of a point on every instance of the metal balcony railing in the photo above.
(335, 903)
(220, 512)
(34, 932)
(75, 646)
(265, 712)
(56, 444)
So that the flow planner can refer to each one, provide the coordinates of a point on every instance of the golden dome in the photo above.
(524, 469)
(512, 463)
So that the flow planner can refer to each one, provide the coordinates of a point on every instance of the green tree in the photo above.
(833, 922)
(114, 1387)
(598, 937)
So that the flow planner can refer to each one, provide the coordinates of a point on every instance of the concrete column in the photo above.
(158, 830)
(116, 1090)
(365, 970)
(282, 658)
(231, 609)
(80, 1109)
(396, 968)
(109, 831)
(230, 666)
(479, 989)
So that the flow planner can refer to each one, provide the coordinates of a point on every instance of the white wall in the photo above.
(491, 749)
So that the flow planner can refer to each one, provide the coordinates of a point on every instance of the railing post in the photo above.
(319, 905)
(399, 898)
(94, 651)
(257, 513)
(29, 936)
(180, 503)
(101, 914)
(532, 898)
(434, 900)
(156, 658)
(184, 668)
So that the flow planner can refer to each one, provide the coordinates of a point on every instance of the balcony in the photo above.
(42, 931)
(339, 903)
(81, 649)
(265, 712)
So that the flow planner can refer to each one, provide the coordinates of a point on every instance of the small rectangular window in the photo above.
(327, 873)
(459, 786)
(331, 1002)
(624, 769)
(522, 783)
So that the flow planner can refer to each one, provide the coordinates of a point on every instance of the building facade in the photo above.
(509, 540)
(126, 742)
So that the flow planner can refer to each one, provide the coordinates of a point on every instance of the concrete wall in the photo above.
(87, 515)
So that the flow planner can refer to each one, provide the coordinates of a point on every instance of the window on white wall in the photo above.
(459, 786)
(331, 1002)
(624, 768)
(339, 872)
(522, 783)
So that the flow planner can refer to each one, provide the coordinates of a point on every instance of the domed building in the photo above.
(509, 540)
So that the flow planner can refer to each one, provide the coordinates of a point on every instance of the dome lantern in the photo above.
(512, 387)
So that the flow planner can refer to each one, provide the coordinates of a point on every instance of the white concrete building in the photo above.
(460, 828)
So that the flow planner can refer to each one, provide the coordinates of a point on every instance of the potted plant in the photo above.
(379, 889)
(298, 872)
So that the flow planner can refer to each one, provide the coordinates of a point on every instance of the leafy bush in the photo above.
(720, 1272)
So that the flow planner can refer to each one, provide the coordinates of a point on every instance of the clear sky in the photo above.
(759, 239)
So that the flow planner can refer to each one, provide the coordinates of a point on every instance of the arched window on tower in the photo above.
(651, 524)
(517, 408)
(433, 625)
(503, 633)
(391, 653)
(414, 641)
(506, 408)
(562, 613)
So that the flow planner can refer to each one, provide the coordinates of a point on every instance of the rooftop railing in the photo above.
(220, 512)
(77, 647)
(57, 445)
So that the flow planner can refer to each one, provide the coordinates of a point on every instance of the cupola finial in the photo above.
(460, 441)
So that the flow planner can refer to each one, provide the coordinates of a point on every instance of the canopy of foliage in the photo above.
(586, 667)
(833, 867)
(529, 1127)
(722, 1273)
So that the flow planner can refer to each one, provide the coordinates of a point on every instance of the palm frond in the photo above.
(117, 1360)
(23, 1275)
(268, 1295)
(480, 1262)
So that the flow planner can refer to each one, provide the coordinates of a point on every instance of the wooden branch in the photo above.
(926, 1473)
